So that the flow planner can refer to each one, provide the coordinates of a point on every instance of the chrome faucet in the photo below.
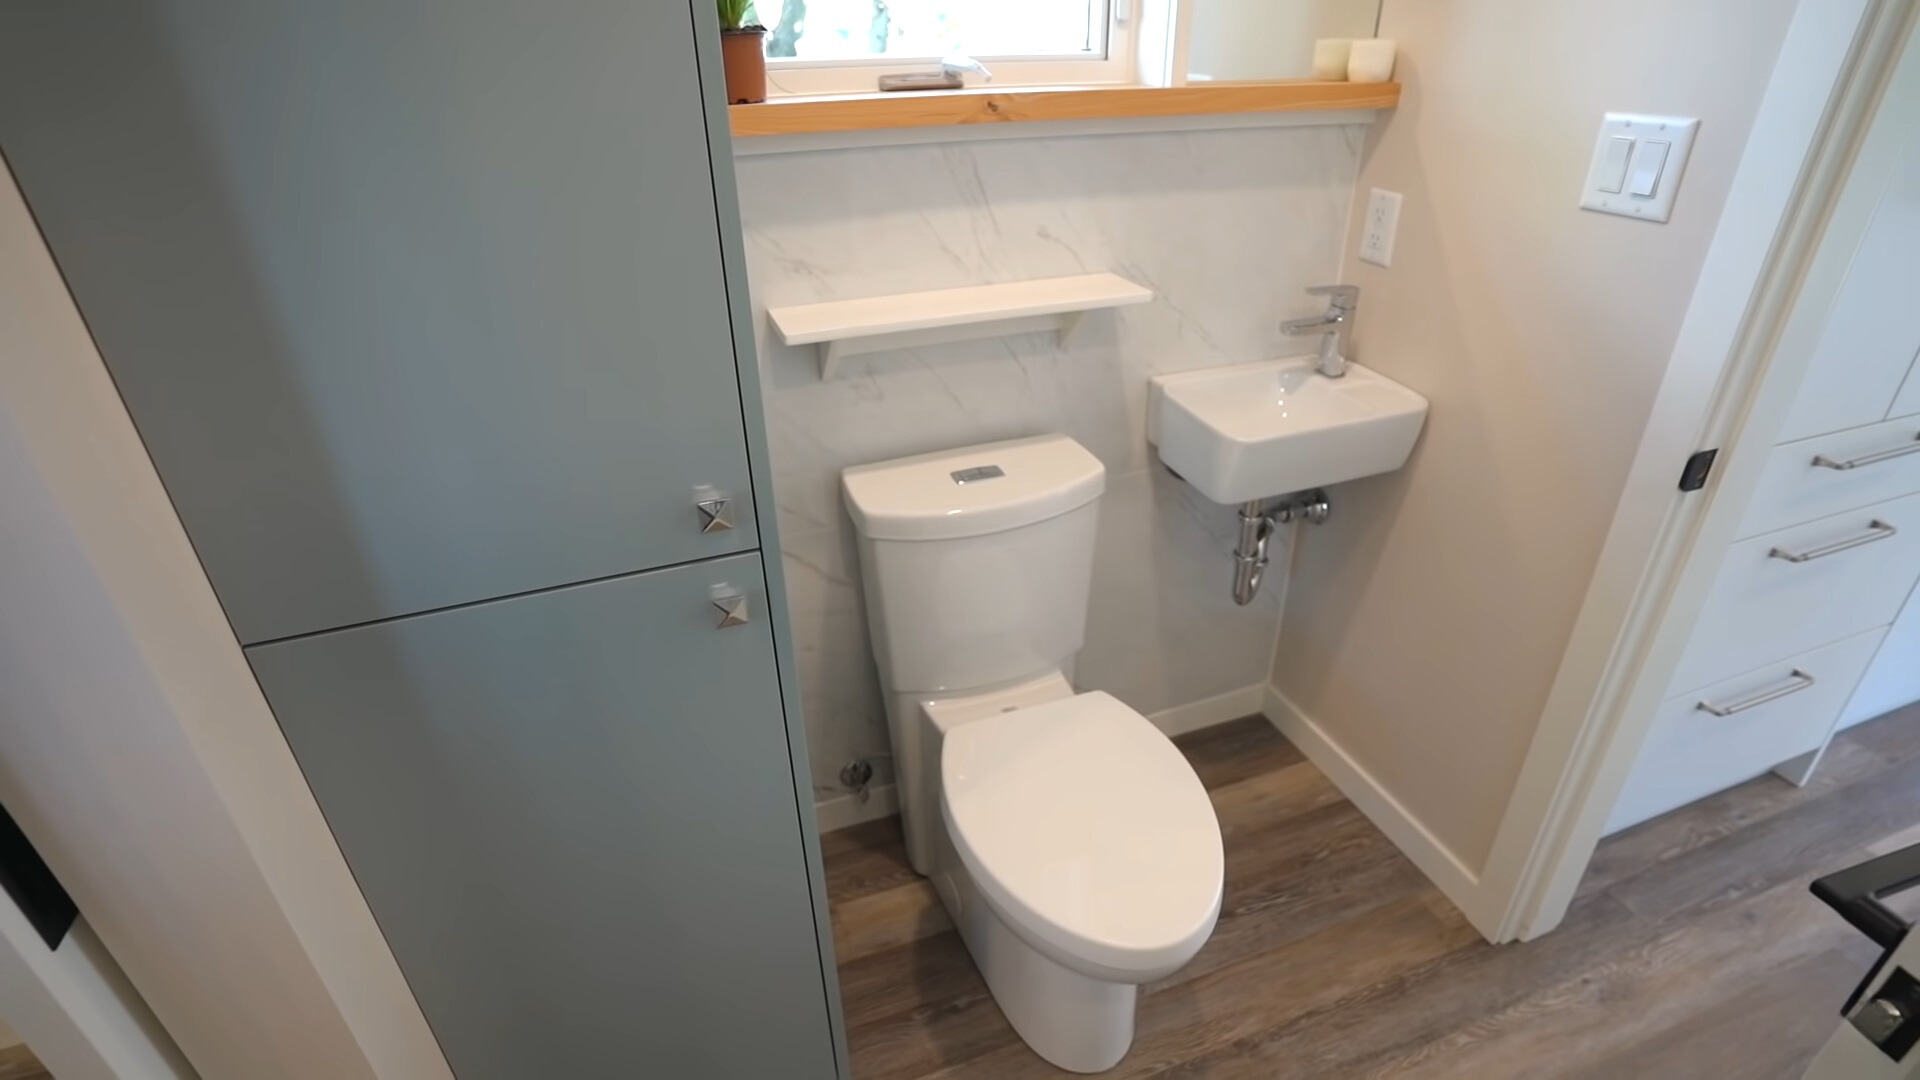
(1334, 327)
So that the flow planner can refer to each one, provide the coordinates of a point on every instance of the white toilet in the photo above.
(1072, 844)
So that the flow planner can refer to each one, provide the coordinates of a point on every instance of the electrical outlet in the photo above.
(1383, 220)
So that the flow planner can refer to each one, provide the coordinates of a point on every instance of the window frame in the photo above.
(1119, 67)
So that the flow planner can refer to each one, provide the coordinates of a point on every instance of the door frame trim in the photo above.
(1735, 367)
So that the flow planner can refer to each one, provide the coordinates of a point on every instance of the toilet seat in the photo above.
(1087, 832)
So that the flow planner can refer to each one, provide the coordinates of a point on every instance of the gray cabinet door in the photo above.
(573, 817)
(415, 302)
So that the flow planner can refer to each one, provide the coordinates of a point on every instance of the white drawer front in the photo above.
(1831, 474)
(1893, 679)
(1765, 607)
(1691, 753)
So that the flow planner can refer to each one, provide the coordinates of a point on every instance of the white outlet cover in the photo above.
(1676, 131)
(1377, 229)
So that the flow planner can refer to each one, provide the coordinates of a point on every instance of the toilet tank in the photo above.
(976, 562)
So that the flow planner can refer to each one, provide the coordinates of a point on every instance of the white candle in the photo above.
(1370, 60)
(1330, 58)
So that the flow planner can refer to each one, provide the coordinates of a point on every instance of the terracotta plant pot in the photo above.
(743, 52)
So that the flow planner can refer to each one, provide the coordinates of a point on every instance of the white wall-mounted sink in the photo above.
(1254, 431)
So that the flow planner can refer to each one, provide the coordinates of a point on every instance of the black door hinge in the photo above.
(1694, 476)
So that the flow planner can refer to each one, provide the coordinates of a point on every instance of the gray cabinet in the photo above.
(572, 813)
(414, 304)
(427, 311)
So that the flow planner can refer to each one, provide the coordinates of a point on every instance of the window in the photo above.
(843, 46)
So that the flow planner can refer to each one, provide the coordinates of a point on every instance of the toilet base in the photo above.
(1076, 1022)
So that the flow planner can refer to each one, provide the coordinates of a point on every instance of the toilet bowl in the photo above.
(1080, 858)
(1072, 844)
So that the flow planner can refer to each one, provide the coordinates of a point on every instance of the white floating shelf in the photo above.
(844, 328)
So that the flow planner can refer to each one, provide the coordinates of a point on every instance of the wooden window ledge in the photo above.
(986, 105)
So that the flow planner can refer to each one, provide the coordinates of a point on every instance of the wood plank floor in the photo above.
(1693, 949)
(18, 1063)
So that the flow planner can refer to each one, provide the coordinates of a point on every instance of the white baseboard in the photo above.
(1460, 884)
(843, 811)
(1218, 709)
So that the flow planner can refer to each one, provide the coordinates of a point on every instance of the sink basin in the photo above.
(1254, 431)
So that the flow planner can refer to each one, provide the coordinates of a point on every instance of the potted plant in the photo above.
(743, 52)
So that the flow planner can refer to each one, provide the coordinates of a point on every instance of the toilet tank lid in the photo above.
(973, 490)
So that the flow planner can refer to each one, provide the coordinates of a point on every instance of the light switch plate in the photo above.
(1610, 189)
(1376, 232)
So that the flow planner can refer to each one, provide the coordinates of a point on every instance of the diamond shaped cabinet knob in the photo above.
(730, 604)
(716, 509)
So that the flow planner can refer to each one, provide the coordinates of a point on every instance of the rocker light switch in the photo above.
(1613, 170)
(1637, 162)
(1648, 161)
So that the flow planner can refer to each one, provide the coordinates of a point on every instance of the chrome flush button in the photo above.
(976, 474)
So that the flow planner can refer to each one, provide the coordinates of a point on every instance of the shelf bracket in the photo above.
(1070, 325)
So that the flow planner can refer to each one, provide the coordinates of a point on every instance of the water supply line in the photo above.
(1257, 523)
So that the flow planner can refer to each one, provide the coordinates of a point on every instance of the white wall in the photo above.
(136, 750)
(1227, 227)
(1425, 624)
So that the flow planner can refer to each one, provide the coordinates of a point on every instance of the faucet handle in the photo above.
(1343, 298)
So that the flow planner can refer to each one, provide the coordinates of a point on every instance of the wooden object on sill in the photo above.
(986, 105)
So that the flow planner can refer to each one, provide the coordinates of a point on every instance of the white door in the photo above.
(1880, 1028)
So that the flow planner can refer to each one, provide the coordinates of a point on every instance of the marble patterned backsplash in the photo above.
(1227, 227)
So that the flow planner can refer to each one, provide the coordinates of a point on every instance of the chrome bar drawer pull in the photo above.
(1795, 683)
(1876, 530)
(1874, 458)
